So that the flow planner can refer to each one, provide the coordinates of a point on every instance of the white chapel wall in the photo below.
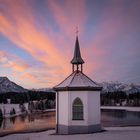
(94, 107)
(63, 108)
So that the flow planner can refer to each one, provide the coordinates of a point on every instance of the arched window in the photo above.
(77, 109)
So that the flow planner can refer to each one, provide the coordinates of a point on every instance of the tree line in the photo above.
(120, 99)
(109, 98)
(20, 98)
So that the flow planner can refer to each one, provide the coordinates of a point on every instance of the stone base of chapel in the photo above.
(63, 129)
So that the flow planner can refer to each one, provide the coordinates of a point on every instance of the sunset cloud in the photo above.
(13, 62)
(76, 15)
(45, 31)
(25, 71)
(36, 43)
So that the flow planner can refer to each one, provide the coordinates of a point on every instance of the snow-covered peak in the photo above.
(44, 90)
(132, 88)
(8, 86)
(118, 87)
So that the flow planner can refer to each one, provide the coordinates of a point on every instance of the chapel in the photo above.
(78, 100)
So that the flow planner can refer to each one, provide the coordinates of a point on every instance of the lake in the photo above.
(46, 121)
(115, 117)
(28, 123)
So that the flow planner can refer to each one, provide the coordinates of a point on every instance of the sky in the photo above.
(37, 39)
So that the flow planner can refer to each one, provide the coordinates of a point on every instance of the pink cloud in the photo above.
(37, 43)
(25, 73)
(13, 62)
(54, 48)
(69, 15)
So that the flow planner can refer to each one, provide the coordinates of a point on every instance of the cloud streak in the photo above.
(45, 30)
(26, 36)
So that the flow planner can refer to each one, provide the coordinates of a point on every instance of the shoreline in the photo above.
(127, 108)
(108, 128)
(110, 133)
(4, 134)
(137, 109)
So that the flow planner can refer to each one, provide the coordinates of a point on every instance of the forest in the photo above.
(20, 98)
(107, 99)
(120, 99)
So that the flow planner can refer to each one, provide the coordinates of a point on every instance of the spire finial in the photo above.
(77, 31)
(77, 59)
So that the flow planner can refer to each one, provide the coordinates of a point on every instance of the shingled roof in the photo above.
(77, 81)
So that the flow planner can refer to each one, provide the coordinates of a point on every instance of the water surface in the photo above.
(115, 117)
(45, 121)
(28, 123)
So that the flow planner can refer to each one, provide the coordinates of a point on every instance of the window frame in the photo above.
(77, 109)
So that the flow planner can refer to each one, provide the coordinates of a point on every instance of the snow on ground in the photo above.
(116, 133)
(6, 108)
(122, 108)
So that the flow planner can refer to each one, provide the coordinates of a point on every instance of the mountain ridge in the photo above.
(120, 87)
(9, 86)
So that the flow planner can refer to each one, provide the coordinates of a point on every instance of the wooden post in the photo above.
(72, 67)
(81, 68)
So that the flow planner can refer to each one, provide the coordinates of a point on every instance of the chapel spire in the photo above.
(77, 59)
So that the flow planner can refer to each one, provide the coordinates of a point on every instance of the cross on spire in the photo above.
(77, 31)
(77, 59)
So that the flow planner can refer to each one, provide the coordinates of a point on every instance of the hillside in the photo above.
(8, 86)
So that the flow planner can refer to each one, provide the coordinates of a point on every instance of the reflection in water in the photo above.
(115, 113)
(1, 122)
(30, 118)
(22, 118)
(41, 121)
(12, 120)
(25, 123)
(110, 117)
(137, 114)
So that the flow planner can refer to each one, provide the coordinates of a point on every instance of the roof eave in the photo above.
(77, 61)
(77, 88)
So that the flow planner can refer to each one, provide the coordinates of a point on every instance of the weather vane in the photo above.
(77, 31)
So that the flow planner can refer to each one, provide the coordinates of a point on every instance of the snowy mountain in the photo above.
(118, 87)
(112, 87)
(132, 88)
(108, 87)
(44, 90)
(8, 86)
